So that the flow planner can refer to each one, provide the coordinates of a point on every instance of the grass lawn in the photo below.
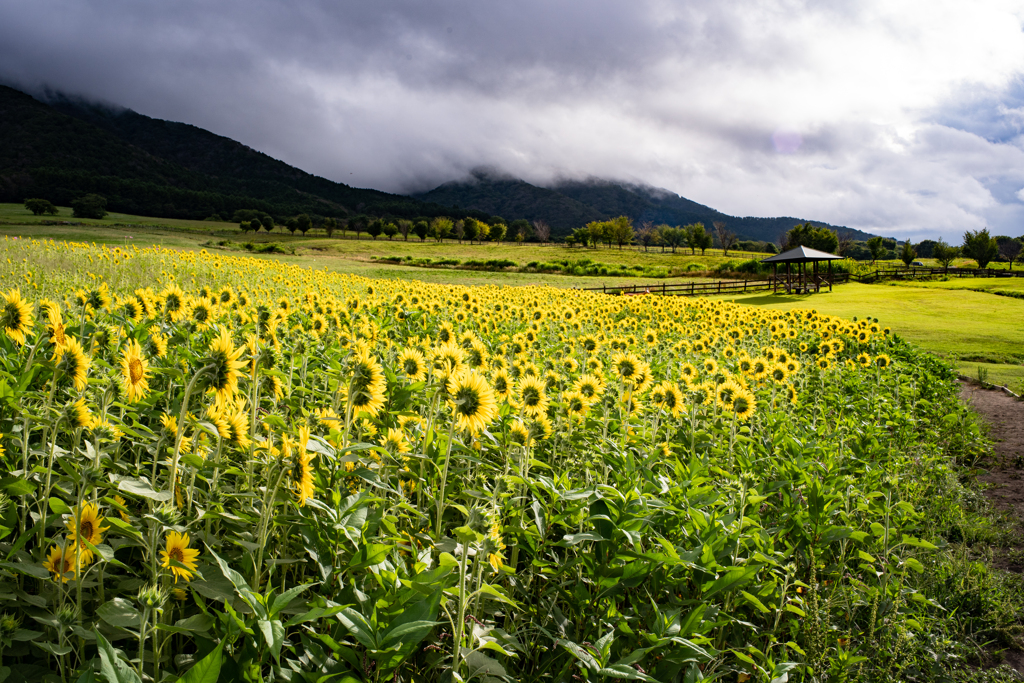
(969, 327)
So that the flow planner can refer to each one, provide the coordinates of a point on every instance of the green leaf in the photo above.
(408, 633)
(368, 556)
(207, 669)
(624, 671)
(111, 667)
(137, 487)
(119, 613)
(754, 601)
(282, 600)
(732, 580)
(17, 486)
(59, 507)
(27, 568)
(359, 627)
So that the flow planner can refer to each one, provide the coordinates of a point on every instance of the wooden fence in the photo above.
(768, 284)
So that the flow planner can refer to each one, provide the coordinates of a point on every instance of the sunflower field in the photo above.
(221, 468)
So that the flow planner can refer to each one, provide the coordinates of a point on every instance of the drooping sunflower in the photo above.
(519, 432)
(85, 524)
(226, 366)
(177, 549)
(366, 388)
(472, 401)
(133, 371)
(302, 468)
(413, 365)
(73, 362)
(78, 414)
(16, 317)
(62, 563)
(532, 396)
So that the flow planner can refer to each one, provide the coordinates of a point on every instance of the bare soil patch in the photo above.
(1004, 416)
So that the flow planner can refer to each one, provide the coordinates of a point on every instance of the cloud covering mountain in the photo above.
(894, 117)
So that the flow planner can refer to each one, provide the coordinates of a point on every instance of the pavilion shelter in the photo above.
(799, 278)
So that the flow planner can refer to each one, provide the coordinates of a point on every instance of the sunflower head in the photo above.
(15, 316)
(472, 401)
(178, 553)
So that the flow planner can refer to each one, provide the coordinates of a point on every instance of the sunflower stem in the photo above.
(181, 426)
(444, 481)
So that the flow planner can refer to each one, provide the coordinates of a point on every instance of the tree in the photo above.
(696, 238)
(945, 254)
(471, 228)
(375, 229)
(647, 235)
(359, 224)
(726, 240)
(542, 230)
(267, 221)
(440, 228)
(876, 247)
(498, 231)
(292, 224)
(421, 229)
(390, 229)
(304, 223)
(980, 246)
(256, 224)
(404, 226)
(482, 231)
(89, 206)
(459, 228)
(244, 227)
(673, 237)
(845, 243)
(330, 225)
(521, 226)
(40, 206)
(1009, 249)
(812, 236)
(908, 253)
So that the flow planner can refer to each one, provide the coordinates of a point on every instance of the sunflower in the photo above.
(532, 397)
(590, 386)
(178, 550)
(671, 398)
(366, 388)
(78, 414)
(472, 400)
(502, 385)
(519, 432)
(413, 365)
(778, 373)
(133, 371)
(86, 525)
(726, 393)
(688, 372)
(743, 404)
(627, 366)
(395, 442)
(16, 317)
(302, 468)
(864, 360)
(226, 366)
(73, 362)
(576, 404)
(61, 562)
(57, 330)
(882, 360)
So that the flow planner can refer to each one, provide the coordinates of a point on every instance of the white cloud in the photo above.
(866, 114)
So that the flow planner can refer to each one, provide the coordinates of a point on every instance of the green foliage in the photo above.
(89, 206)
(812, 236)
(40, 206)
(908, 253)
(980, 246)
(945, 254)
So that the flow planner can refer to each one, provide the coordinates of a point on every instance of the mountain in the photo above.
(569, 204)
(65, 147)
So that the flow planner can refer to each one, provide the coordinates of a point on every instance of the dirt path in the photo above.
(1005, 417)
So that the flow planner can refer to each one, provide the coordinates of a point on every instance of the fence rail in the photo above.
(768, 284)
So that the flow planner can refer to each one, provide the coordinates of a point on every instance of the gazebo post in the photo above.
(830, 276)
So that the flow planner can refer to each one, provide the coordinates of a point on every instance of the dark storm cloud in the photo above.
(776, 107)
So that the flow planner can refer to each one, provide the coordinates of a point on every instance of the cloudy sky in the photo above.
(900, 117)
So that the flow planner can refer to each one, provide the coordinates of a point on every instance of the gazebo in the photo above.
(798, 280)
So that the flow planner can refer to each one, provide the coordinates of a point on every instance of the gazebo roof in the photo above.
(801, 255)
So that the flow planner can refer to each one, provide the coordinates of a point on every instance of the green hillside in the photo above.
(572, 203)
(160, 168)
